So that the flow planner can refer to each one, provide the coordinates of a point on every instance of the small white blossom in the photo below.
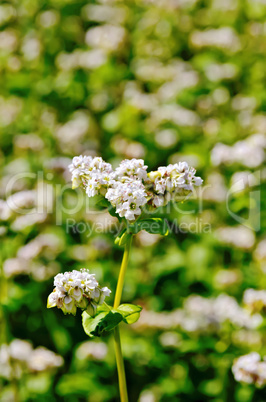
(176, 180)
(92, 173)
(79, 168)
(77, 289)
(133, 168)
(128, 198)
(250, 369)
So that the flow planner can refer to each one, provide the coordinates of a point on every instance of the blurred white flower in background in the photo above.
(91, 350)
(19, 358)
(225, 278)
(105, 13)
(237, 236)
(28, 141)
(224, 38)
(250, 369)
(9, 110)
(249, 152)
(217, 72)
(48, 18)
(8, 40)
(31, 47)
(200, 314)
(108, 37)
(255, 300)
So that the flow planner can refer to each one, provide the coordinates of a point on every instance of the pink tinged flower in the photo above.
(52, 300)
(158, 201)
(76, 289)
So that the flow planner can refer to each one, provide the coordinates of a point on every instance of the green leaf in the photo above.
(104, 321)
(108, 318)
(123, 238)
(119, 237)
(103, 202)
(130, 312)
(112, 212)
(151, 225)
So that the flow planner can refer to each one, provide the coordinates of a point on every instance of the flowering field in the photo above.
(167, 82)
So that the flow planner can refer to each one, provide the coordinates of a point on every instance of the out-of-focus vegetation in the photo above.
(164, 80)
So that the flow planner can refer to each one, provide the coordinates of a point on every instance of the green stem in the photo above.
(120, 367)
(118, 350)
(122, 274)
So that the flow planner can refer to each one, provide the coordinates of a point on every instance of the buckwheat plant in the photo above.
(133, 195)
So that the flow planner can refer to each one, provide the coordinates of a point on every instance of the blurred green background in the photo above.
(166, 81)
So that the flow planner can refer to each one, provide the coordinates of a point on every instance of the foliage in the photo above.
(108, 318)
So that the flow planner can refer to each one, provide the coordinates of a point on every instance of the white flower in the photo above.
(129, 187)
(19, 358)
(99, 176)
(249, 152)
(255, 299)
(177, 176)
(128, 198)
(92, 173)
(79, 167)
(250, 369)
(172, 182)
(133, 168)
(20, 350)
(77, 289)
(42, 359)
(91, 350)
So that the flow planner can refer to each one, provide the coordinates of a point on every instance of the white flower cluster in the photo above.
(237, 236)
(201, 314)
(129, 187)
(249, 152)
(255, 300)
(127, 197)
(250, 369)
(19, 358)
(77, 289)
(221, 38)
(90, 350)
(133, 168)
(93, 173)
(29, 258)
(173, 182)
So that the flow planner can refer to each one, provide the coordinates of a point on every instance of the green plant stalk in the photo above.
(118, 350)
(120, 367)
